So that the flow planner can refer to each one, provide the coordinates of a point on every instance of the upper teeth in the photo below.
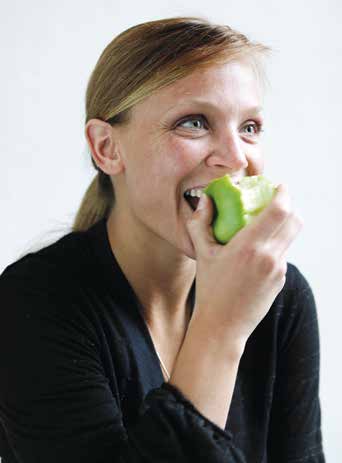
(194, 192)
(197, 192)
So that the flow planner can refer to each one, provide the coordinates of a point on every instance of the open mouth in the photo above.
(192, 201)
(192, 195)
(192, 198)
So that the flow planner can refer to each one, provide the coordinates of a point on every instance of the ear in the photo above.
(104, 146)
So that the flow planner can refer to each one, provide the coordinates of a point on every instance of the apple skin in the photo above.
(236, 205)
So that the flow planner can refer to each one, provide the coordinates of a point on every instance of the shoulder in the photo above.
(295, 280)
(42, 291)
(297, 288)
(49, 282)
(52, 268)
(297, 309)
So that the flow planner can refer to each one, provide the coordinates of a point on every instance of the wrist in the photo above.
(225, 340)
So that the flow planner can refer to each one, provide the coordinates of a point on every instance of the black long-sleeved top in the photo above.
(80, 380)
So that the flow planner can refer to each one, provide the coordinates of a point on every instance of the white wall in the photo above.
(49, 50)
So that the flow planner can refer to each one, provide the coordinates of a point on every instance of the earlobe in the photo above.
(103, 146)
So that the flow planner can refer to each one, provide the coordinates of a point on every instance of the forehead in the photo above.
(234, 84)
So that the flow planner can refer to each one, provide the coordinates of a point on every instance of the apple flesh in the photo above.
(237, 204)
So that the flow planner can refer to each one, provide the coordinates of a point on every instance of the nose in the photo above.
(228, 152)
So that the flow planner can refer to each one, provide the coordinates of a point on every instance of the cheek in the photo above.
(184, 154)
(159, 167)
(255, 162)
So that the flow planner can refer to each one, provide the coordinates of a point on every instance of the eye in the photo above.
(198, 122)
(257, 128)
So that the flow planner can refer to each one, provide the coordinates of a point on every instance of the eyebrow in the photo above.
(252, 109)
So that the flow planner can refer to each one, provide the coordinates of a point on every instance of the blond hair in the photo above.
(141, 60)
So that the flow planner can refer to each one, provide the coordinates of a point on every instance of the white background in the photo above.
(48, 52)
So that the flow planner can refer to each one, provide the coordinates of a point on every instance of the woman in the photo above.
(137, 337)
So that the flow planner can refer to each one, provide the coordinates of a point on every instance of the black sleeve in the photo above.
(295, 426)
(56, 404)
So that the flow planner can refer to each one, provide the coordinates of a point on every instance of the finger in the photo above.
(199, 225)
(266, 224)
(286, 235)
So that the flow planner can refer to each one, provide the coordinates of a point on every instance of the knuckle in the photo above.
(280, 212)
(296, 222)
(282, 282)
(248, 253)
(282, 270)
(268, 264)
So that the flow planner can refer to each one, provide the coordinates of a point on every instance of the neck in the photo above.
(160, 276)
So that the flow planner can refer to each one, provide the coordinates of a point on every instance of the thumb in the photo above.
(199, 225)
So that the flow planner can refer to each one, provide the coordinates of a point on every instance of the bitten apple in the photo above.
(237, 204)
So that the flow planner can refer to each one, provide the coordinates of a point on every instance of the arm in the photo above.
(206, 369)
(295, 426)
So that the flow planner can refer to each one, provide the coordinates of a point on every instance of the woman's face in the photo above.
(201, 127)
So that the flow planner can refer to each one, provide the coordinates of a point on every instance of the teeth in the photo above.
(193, 193)
(196, 193)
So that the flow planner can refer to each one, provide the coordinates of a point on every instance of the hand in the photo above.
(237, 283)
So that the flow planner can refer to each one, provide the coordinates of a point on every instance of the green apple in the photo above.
(237, 204)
